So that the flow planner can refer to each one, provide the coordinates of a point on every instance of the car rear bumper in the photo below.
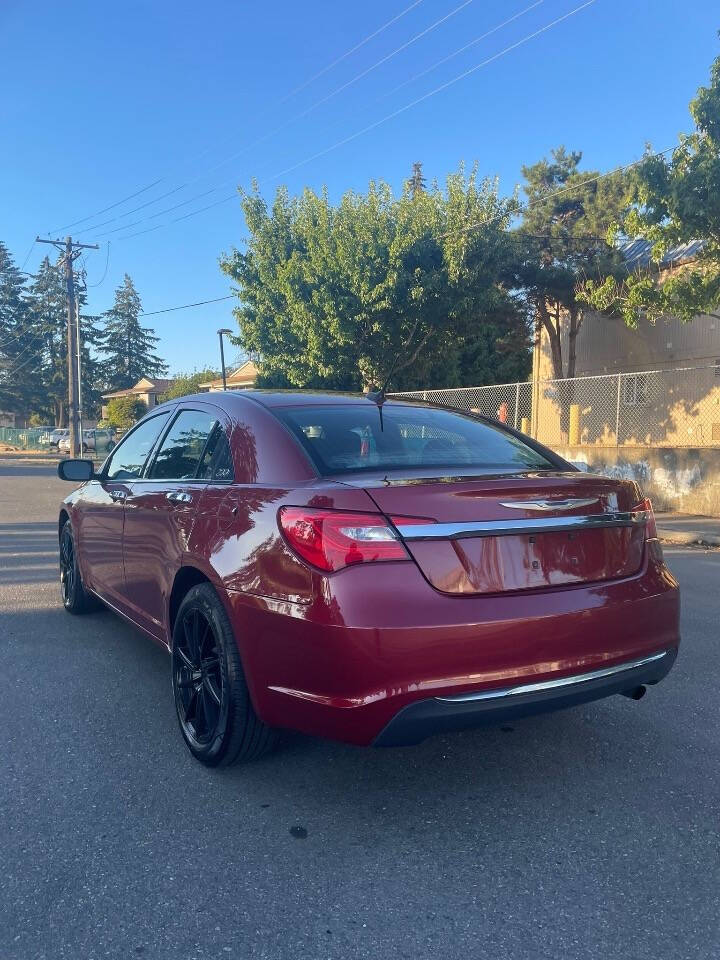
(434, 715)
(379, 641)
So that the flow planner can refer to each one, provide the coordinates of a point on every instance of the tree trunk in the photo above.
(576, 319)
(553, 332)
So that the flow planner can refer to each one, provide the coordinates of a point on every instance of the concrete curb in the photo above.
(689, 537)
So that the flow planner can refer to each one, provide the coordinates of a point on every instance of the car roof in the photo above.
(230, 399)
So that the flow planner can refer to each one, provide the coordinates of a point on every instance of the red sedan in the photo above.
(374, 573)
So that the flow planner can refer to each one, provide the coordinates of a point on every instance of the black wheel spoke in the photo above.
(204, 634)
(191, 708)
(214, 691)
(195, 653)
(185, 660)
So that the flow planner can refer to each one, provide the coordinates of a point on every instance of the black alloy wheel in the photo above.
(75, 597)
(212, 700)
(68, 570)
(198, 678)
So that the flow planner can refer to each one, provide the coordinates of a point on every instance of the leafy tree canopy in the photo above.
(562, 240)
(123, 412)
(675, 200)
(187, 383)
(338, 296)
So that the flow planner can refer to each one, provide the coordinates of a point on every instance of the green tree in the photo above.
(338, 296)
(416, 183)
(187, 383)
(123, 412)
(128, 347)
(562, 243)
(20, 341)
(675, 200)
(47, 304)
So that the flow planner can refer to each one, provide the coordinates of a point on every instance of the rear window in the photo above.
(349, 438)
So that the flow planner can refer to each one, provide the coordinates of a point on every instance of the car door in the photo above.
(103, 511)
(160, 513)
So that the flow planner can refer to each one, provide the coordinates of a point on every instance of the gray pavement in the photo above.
(685, 528)
(591, 833)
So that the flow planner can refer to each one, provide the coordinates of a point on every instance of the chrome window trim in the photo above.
(503, 528)
(553, 684)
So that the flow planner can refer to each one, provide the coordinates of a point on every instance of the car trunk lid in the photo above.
(493, 534)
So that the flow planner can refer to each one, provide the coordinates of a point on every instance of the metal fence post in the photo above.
(517, 403)
(617, 412)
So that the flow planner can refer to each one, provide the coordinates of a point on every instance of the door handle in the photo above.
(177, 497)
(118, 494)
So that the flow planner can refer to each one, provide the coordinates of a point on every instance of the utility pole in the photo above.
(69, 253)
(224, 330)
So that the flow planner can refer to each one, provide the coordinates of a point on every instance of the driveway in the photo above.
(591, 833)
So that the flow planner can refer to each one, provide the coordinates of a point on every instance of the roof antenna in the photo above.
(377, 396)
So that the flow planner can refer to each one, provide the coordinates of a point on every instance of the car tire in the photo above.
(212, 701)
(75, 598)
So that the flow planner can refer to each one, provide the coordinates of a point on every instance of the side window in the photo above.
(217, 460)
(182, 448)
(128, 459)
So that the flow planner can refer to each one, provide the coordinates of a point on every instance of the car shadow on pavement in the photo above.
(113, 683)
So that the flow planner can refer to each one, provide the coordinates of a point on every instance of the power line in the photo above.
(462, 49)
(127, 213)
(344, 56)
(105, 209)
(182, 186)
(432, 93)
(107, 263)
(568, 189)
(266, 136)
(184, 306)
(317, 103)
(377, 123)
(384, 59)
(160, 213)
(25, 349)
(32, 247)
(528, 206)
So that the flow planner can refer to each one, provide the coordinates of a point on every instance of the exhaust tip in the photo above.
(635, 693)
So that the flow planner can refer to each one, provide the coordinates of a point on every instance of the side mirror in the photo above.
(76, 470)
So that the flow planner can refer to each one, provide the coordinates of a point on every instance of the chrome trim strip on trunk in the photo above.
(553, 684)
(503, 528)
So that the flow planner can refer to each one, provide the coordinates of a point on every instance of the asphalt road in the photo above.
(591, 833)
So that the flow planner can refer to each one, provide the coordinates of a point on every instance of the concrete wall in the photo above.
(606, 345)
(685, 479)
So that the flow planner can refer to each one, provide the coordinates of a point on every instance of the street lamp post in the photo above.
(222, 353)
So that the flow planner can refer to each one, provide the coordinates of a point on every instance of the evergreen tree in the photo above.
(21, 346)
(47, 303)
(416, 183)
(127, 346)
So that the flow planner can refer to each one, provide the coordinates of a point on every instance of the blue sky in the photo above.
(101, 100)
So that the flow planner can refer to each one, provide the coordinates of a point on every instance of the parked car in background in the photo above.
(373, 573)
(102, 441)
(54, 437)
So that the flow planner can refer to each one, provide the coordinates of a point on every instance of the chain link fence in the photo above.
(48, 440)
(678, 407)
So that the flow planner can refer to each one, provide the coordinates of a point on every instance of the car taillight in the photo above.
(333, 539)
(650, 526)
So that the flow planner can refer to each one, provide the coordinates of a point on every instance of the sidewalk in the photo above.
(688, 529)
